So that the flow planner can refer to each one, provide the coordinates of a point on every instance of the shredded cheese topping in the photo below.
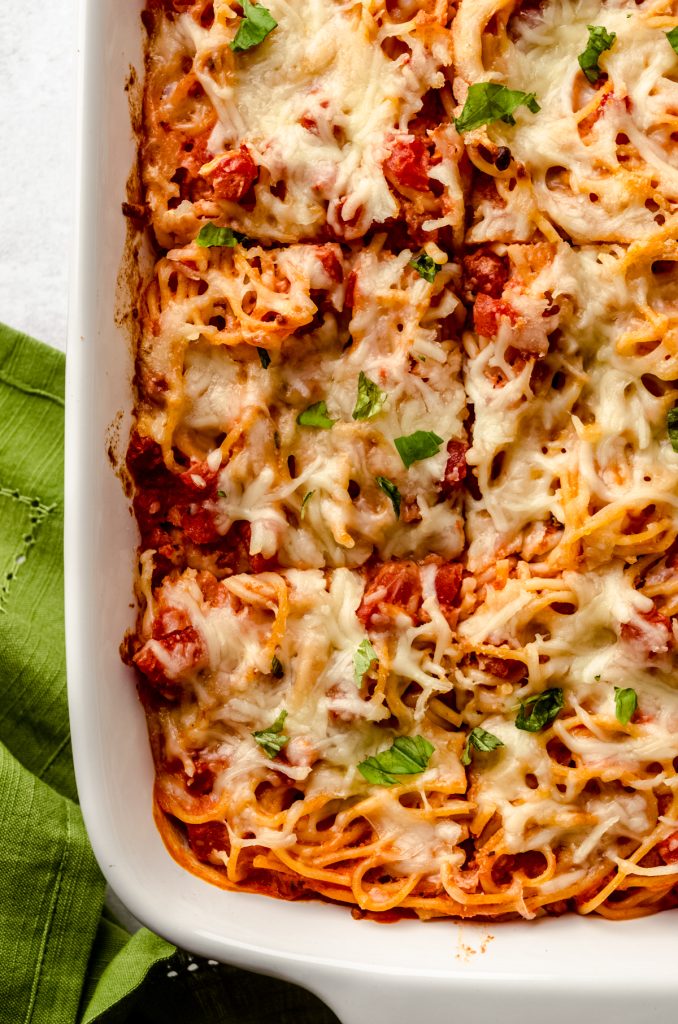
(319, 107)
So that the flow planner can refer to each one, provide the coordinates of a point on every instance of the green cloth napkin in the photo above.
(63, 959)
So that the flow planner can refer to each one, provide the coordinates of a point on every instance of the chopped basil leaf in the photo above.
(276, 439)
(672, 37)
(625, 704)
(599, 41)
(672, 427)
(543, 708)
(425, 267)
(481, 740)
(489, 101)
(211, 235)
(315, 416)
(364, 656)
(264, 358)
(408, 755)
(422, 444)
(389, 488)
(277, 669)
(273, 739)
(221, 494)
(369, 400)
(253, 29)
(306, 499)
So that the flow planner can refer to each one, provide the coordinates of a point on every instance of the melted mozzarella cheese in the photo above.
(599, 440)
(587, 655)
(317, 104)
(330, 718)
(603, 181)
(415, 841)
(576, 476)
(398, 336)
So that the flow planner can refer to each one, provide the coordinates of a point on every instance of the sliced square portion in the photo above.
(336, 121)
(596, 161)
(272, 700)
(300, 407)
(575, 674)
(572, 375)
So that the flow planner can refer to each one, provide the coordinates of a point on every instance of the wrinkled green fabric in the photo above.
(62, 959)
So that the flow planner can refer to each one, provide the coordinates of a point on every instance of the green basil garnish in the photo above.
(211, 235)
(480, 740)
(316, 416)
(273, 739)
(538, 711)
(625, 704)
(389, 488)
(422, 444)
(369, 400)
(599, 41)
(304, 503)
(408, 755)
(425, 267)
(277, 669)
(488, 101)
(672, 427)
(364, 656)
(257, 23)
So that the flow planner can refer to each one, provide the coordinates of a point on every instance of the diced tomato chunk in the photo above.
(408, 164)
(503, 668)
(144, 456)
(183, 649)
(147, 467)
(199, 480)
(349, 297)
(455, 468)
(488, 312)
(653, 635)
(448, 583)
(331, 264)
(395, 588)
(199, 526)
(668, 849)
(309, 123)
(207, 837)
(169, 620)
(164, 497)
(234, 175)
(486, 272)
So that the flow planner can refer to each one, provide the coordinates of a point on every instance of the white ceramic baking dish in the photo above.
(559, 970)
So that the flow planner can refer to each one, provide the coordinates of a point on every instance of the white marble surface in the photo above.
(37, 114)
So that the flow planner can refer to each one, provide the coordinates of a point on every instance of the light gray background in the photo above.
(37, 121)
(37, 165)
